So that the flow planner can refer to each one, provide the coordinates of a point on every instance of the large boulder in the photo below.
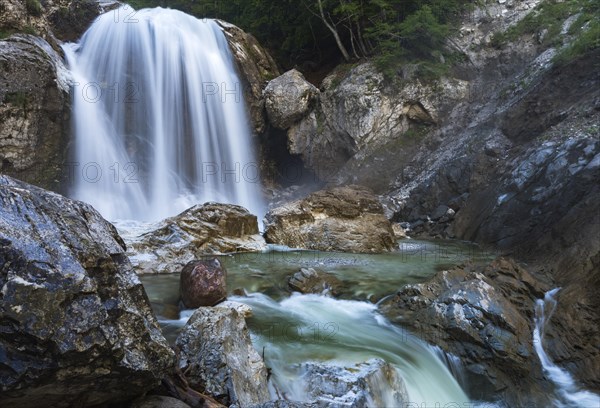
(483, 315)
(201, 230)
(346, 219)
(34, 111)
(76, 327)
(288, 99)
(203, 283)
(218, 358)
(373, 383)
(256, 68)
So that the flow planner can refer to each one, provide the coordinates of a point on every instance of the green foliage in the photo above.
(393, 32)
(587, 41)
(26, 30)
(549, 16)
(33, 7)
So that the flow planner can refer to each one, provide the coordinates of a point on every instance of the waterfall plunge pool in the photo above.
(290, 329)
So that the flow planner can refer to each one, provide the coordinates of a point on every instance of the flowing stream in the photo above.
(293, 329)
(568, 393)
(159, 117)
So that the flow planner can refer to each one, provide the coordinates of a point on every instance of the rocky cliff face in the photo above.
(35, 102)
(256, 68)
(53, 20)
(34, 111)
(504, 151)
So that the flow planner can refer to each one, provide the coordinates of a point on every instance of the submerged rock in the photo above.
(218, 358)
(485, 317)
(203, 283)
(34, 111)
(347, 219)
(374, 383)
(76, 328)
(199, 231)
(309, 280)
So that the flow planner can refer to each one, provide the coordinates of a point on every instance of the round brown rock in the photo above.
(203, 283)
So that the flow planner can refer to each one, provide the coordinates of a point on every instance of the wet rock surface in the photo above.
(218, 358)
(203, 283)
(202, 230)
(348, 219)
(310, 280)
(34, 112)
(256, 67)
(76, 326)
(483, 315)
(360, 386)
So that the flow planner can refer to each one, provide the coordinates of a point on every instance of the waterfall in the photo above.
(568, 393)
(159, 117)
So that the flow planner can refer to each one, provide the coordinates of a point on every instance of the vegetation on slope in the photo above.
(313, 32)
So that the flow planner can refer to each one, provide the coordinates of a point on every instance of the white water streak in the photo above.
(568, 393)
(159, 117)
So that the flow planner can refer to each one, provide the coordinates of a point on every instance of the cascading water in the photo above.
(568, 393)
(159, 117)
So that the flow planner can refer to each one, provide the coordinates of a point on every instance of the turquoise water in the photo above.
(289, 329)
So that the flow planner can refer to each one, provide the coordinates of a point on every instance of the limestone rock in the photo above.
(199, 231)
(482, 315)
(34, 111)
(256, 67)
(289, 98)
(76, 327)
(65, 20)
(347, 219)
(217, 355)
(373, 383)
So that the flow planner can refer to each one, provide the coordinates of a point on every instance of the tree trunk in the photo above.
(333, 30)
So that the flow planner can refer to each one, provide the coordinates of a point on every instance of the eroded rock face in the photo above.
(347, 219)
(217, 356)
(357, 112)
(485, 317)
(65, 20)
(203, 283)
(202, 230)
(76, 326)
(256, 68)
(288, 99)
(69, 19)
(34, 111)
(358, 386)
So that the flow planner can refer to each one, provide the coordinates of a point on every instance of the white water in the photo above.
(159, 117)
(305, 328)
(314, 328)
(568, 393)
